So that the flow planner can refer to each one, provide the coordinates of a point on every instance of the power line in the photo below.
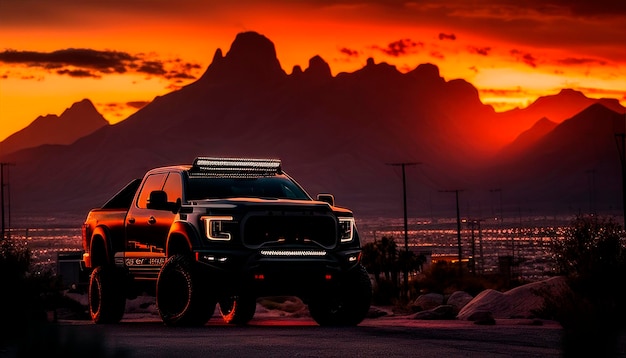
(406, 225)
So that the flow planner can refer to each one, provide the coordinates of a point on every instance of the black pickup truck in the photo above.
(223, 231)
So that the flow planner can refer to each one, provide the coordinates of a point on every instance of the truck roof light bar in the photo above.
(235, 167)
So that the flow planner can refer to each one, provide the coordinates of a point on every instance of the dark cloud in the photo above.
(400, 47)
(102, 61)
(89, 63)
(443, 36)
(77, 73)
(590, 8)
(152, 68)
(437, 54)
(349, 52)
(603, 92)
(137, 104)
(525, 57)
(479, 50)
(571, 61)
(502, 92)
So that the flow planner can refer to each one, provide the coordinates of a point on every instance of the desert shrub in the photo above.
(592, 256)
(385, 292)
(29, 292)
(445, 278)
(19, 300)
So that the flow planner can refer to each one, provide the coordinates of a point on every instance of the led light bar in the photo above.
(235, 167)
(297, 253)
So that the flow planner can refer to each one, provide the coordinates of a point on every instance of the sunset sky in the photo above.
(122, 53)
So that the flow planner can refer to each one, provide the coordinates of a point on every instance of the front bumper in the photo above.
(295, 271)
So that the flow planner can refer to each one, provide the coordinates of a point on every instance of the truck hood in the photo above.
(266, 204)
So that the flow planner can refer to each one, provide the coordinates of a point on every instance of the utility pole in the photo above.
(458, 227)
(620, 140)
(406, 225)
(2, 201)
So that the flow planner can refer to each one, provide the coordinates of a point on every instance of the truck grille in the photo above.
(290, 229)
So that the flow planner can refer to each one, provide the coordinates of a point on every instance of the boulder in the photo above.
(520, 302)
(440, 312)
(459, 299)
(428, 301)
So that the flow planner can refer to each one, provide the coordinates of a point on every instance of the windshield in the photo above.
(266, 187)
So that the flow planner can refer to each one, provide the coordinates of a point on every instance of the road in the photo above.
(301, 337)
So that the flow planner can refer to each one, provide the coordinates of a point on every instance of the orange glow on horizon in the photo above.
(464, 42)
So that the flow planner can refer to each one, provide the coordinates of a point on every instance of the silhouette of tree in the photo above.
(592, 255)
(380, 259)
(384, 261)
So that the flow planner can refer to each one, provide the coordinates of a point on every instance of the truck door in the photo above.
(146, 229)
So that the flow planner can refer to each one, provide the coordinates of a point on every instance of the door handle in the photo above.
(151, 220)
(131, 220)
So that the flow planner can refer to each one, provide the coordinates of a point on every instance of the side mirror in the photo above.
(158, 201)
(327, 198)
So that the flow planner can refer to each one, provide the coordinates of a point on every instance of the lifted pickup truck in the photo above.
(223, 231)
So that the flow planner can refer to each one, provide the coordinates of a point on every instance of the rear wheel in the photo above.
(181, 296)
(238, 309)
(107, 298)
(346, 307)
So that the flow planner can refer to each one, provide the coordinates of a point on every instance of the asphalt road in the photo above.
(301, 337)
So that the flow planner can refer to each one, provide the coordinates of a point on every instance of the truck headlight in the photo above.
(346, 227)
(214, 227)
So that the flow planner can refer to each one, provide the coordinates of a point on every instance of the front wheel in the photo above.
(238, 310)
(346, 307)
(182, 297)
(107, 298)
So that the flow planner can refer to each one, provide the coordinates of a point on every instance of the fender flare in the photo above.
(180, 229)
(103, 232)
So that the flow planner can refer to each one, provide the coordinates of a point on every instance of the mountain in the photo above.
(527, 139)
(337, 134)
(75, 122)
(555, 108)
(575, 166)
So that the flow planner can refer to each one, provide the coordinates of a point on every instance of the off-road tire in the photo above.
(107, 299)
(348, 305)
(182, 298)
(237, 310)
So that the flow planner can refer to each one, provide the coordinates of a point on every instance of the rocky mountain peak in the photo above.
(252, 58)
(81, 119)
(318, 68)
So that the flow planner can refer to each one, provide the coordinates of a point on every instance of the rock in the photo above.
(438, 313)
(459, 299)
(375, 312)
(520, 302)
(428, 301)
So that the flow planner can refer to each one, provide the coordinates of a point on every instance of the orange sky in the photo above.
(121, 54)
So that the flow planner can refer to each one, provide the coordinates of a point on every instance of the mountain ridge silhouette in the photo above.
(334, 134)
